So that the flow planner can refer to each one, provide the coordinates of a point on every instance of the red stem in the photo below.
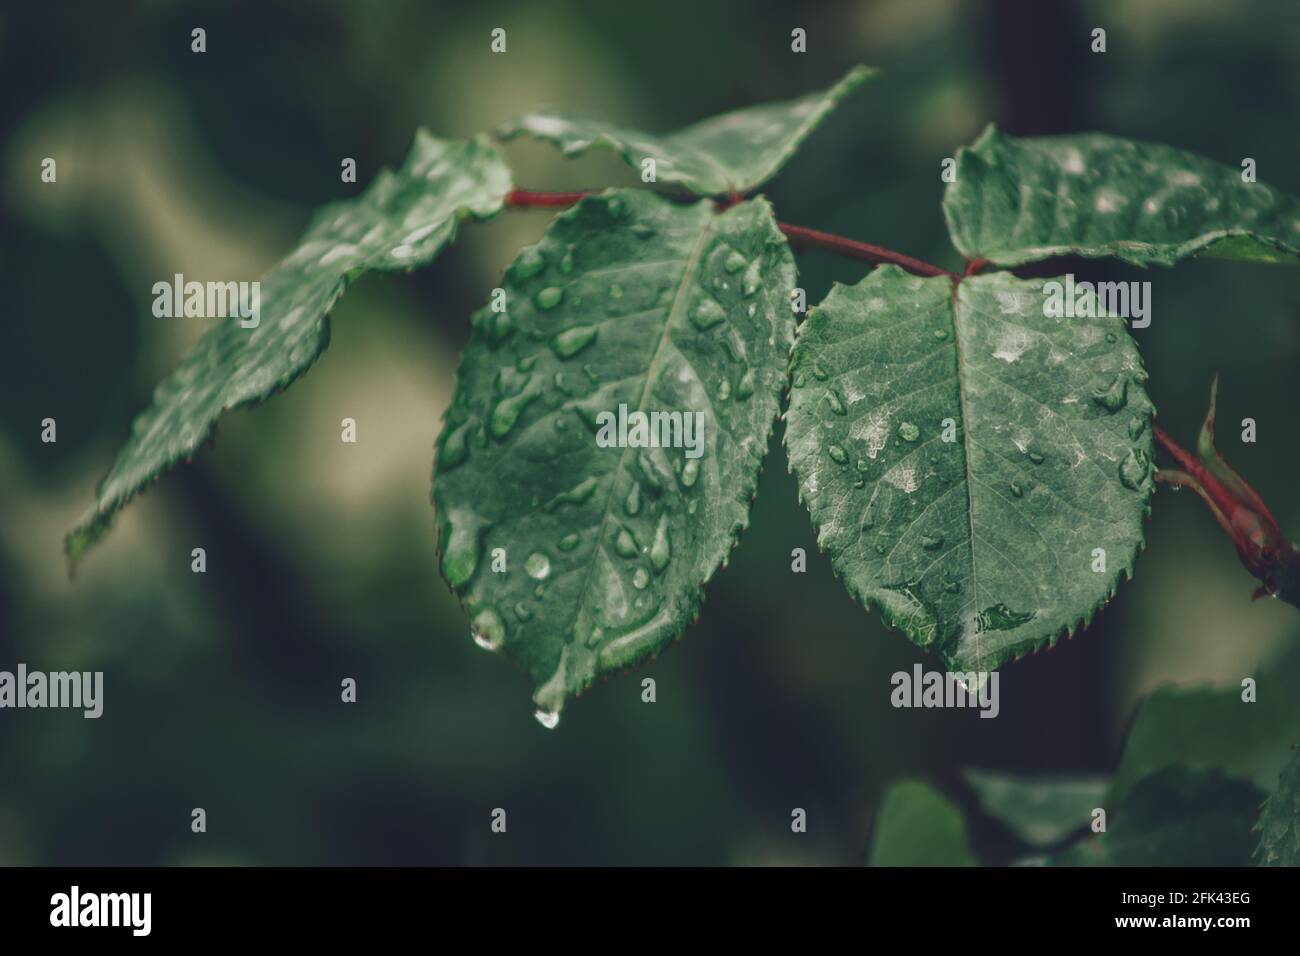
(850, 248)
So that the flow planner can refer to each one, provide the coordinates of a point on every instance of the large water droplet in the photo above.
(735, 262)
(819, 372)
(625, 544)
(724, 389)
(547, 718)
(538, 566)
(1114, 396)
(661, 549)
(460, 558)
(506, 413)
(640, 578)
(908, 432)
(753, 280)
(834, 401)
(690, 472)
(1017, 490)
(549, 297)
(455, 447)
(574, 496)
(488, 629)
(528, 264)
(838, 454)
(632, 504)
(1133, 470)
(1035, 457)
(572, 341)
(707, 313)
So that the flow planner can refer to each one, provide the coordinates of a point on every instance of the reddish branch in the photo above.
(800, 235)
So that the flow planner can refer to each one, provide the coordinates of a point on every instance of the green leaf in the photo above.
(1213, 728)
(628, 299)
(732, 152)
(980, 538)
(1041, 811)
(1018, 200)
(1175, 817)
(400, 222)
(918, 826)
(1279, 823)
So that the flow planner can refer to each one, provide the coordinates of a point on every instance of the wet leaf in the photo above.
(628, 300)
(734, 151)
(401, 221)
(984, 458)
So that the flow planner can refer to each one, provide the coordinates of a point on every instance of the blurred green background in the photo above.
(222, 690)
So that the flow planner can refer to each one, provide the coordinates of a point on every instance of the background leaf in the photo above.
(1174, 817)
(734, 151)
(401, 221)
(918, 826)
(1018, 200)
(981, 548)
(1279, 823)
(628, 299)
(1213, 728)
(1041, 811)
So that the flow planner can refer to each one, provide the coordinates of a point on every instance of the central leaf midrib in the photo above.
(966, 454)
(688, 272)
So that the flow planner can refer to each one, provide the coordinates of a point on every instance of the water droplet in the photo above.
(523, 611)
(753, 280)
(735, 262)
(616, 207)
(526, 363)
(819, 372)
(799, 380)
(724, 389)
(625, 544)
(941, 334)
(572, 341)
(706, 314)
(931, 542)
(833, 400)
(1017, 490)
(690, 472)
(908, 432)
(1112, 337)
(488, 629)
(566, 263)
(640, 578)
(547, 718)
(538, 566)
(506, 413)
(569, 542)
(616, 291)
(574, 496)
(1036, 458)
(528, 264)
(1114, 396)
(863, 465)
(745, 387)
(999, 617)
(1136, 427)
(661, 549)
(561, 423)
(549, 297)
(860, 483)
(460, 558)
(1133, 470)
(455, 447)
(632, 504)
(500, 327)
(838, 454)
(880, 549)
(643, 231)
